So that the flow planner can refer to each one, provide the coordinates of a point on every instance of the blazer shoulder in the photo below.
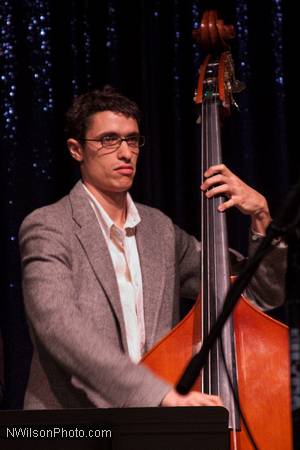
(153, 214)
(157, 221)
(55, 214)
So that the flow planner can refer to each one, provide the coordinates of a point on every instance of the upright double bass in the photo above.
(255, 346)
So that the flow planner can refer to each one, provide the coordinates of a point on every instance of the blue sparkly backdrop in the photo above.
(51, 51)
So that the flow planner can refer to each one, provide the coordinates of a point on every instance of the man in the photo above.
(102, 276)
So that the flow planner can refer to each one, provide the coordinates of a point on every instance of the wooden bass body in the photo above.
(256, 347)
(263, 371)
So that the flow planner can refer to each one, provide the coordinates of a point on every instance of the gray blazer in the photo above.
(73, 306)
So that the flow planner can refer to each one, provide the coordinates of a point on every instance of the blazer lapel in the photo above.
(92, 240)
(153, 275)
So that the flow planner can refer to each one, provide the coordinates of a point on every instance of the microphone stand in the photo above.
(288, 225)
(198, 361)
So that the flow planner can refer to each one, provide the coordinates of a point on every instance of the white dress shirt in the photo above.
(122, 247)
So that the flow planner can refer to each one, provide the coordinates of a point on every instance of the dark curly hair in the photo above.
(84, 106)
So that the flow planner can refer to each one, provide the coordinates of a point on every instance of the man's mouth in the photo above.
(124, 169)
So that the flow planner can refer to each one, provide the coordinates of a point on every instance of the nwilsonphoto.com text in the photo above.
(55, 432)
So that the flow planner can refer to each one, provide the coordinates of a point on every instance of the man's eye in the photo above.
(133, 140)
(109, 139)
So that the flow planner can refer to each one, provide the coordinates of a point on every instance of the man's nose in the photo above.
(124, 150)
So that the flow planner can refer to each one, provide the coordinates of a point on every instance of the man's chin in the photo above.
(122, 188)
(124, 184)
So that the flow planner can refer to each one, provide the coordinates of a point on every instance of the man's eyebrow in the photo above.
(107, 133)
(114, 133)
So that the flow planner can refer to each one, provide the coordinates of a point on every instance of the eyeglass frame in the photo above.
(120, 140)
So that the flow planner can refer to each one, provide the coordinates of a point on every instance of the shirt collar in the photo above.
(132, 217)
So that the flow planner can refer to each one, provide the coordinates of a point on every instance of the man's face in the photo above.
(107, 171)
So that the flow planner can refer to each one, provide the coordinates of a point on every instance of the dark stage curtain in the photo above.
(53, 50)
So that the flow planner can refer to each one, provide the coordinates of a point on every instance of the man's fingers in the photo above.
(193, 398)
(226, 205)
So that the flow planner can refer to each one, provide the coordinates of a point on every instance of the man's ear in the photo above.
(75, 149)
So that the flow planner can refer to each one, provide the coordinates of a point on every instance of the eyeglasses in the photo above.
(111, 142)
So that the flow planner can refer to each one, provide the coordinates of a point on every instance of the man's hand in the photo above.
(193, 398)
(221, 181)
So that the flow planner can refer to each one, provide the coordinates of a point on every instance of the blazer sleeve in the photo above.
(266, 288)
(62, 329)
